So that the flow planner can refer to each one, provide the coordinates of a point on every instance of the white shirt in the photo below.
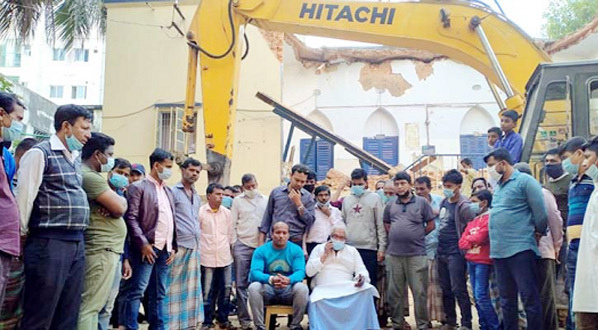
(336, 277)
(585, 295)
(320, 230)
(164, 233)
(246, 215)
(31, 175)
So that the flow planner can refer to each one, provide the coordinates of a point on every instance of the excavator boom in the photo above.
(461, 30)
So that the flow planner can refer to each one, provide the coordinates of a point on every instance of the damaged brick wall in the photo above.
(380, 76)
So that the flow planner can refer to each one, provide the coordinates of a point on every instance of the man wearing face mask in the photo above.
(455, 214)
(340, 283)
(517, 216)
(12, 112)
(407, 221)
(183, 304)
(586, 284)
(152, 229)
(54, 214)
(228, 196)
(549, 247)
(246, 214)
(105, 236)
(9, 226)
(580, 191)
(362, 211)
(118, 180)
(387, 192)
(310, 184)
(326, 217)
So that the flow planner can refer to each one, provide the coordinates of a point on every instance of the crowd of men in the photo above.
(79, 248)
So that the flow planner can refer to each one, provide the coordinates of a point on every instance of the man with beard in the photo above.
(407, 221)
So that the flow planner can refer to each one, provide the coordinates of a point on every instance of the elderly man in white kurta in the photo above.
(342, 297)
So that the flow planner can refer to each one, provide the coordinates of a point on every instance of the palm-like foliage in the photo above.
(70, 21)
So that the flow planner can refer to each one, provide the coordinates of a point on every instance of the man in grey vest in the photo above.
(54, 213)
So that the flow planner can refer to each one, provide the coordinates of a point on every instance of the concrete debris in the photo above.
(380, 76)
(314, 57)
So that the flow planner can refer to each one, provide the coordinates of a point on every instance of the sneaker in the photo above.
(227, 326)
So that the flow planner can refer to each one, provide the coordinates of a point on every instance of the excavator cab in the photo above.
(562, 102)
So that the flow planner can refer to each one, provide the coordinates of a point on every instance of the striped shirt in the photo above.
(579, 195)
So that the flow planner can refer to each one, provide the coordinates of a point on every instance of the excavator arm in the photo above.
(461, 30)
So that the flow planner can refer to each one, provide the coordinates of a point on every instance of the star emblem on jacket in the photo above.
(357, 208)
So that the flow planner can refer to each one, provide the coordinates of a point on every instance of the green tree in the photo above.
(5, 85)
(567, 16)
(70, 21)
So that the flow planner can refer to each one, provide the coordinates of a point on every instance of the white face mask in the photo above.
(494, 175)
(251, 193)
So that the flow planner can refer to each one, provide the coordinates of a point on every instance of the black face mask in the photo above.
(554, 171)
(405, 195)
(309, 187)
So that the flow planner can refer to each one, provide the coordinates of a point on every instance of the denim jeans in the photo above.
(151, 277)
(571, 266)
(479, 276)
(517, 275)
(452, 277)
(216, 284)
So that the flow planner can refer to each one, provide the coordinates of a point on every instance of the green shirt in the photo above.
(103, 233)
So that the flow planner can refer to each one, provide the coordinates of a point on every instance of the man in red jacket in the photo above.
(476, 242)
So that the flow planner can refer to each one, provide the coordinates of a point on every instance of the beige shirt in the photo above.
(246, 215)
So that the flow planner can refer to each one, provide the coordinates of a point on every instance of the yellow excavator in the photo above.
(562, 99)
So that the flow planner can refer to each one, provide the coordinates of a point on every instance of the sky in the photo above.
(527, 14)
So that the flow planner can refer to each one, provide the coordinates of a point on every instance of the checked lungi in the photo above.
(184, 303)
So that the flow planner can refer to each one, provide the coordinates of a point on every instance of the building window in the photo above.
(56, 92)
(170, 135)
(81, 55)
(321, 156)
(10, 55)
(384, 147)
(58, 54)
(79, 92)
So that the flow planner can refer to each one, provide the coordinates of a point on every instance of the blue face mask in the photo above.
(357, 190)
(380, 193)
(108, 166)
(13, 132)
(118, 181)
(337, 245)
(448, 193)
(73, 143)
(568, 166)
(592, 172)
(227, 202)
(475, 207)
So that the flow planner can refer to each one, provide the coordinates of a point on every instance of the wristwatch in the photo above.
(300, 208)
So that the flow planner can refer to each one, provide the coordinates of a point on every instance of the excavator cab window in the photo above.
(593, 106)
(555, 120)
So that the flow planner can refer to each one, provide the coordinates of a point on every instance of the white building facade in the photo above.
(393, 109)
(62, 76)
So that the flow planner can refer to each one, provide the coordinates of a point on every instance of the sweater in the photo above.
(476, 241)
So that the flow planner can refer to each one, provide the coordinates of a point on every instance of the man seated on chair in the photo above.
(277, 272)
(341, 284)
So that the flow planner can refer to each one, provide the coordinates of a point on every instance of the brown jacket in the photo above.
(142, 214)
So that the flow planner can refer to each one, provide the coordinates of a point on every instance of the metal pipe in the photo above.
(477, 26)
(499, 100)
(288, 144)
